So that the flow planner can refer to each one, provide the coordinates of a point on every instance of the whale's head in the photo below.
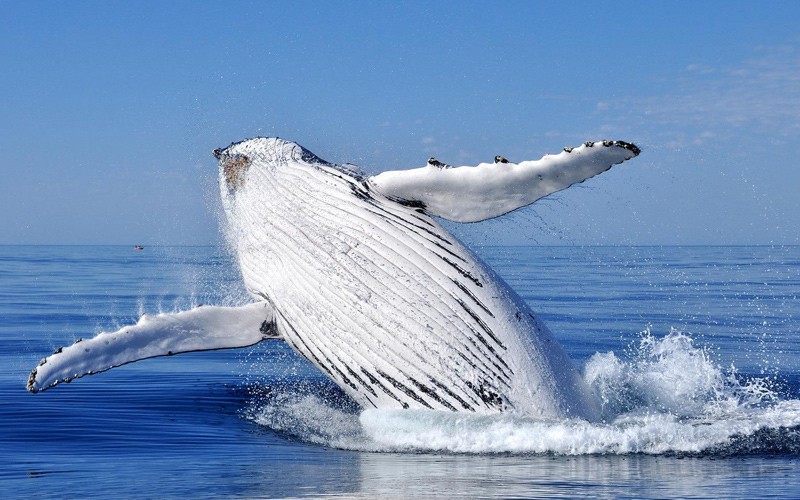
(279, 199)
(261, 160)
(260, 170)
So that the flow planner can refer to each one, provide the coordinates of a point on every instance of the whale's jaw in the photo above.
(383, 300)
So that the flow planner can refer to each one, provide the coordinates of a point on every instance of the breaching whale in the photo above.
(357, 276)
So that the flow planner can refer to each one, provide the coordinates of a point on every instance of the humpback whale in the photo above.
(355, 273)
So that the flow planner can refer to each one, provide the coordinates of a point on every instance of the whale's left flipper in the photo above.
(204, 328)
(472, 194)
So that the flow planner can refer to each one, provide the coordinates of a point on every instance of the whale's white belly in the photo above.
(388, 303)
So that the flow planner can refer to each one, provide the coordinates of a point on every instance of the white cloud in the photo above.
(760, 95)
(701, 69)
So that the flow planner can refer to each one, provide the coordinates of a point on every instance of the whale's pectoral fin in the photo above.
(472, 194)
(204, 328)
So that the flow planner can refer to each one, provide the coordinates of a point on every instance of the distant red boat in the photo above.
(138, 247)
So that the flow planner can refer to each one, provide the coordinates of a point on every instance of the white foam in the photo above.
(669, 375)
(668, 397)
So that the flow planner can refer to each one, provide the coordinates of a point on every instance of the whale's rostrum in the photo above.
(355, 274)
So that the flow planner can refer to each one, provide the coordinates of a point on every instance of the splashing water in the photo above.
(671, 376)
(665, 396)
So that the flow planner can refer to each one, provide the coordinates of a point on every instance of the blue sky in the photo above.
(110, 110)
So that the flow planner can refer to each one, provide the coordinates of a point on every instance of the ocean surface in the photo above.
(693, 352)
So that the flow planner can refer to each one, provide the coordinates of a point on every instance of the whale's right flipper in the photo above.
(204, 328)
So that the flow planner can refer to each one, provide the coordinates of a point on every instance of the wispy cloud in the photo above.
(760, 95)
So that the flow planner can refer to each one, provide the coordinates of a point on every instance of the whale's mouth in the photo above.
(234, 167)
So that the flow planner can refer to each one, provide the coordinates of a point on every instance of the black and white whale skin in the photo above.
(356, 276)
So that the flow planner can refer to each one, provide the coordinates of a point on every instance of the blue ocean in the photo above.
(693, 352)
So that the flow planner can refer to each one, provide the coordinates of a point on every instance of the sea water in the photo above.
(692, 351)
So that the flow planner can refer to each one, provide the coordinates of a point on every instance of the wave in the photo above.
(663, 396)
